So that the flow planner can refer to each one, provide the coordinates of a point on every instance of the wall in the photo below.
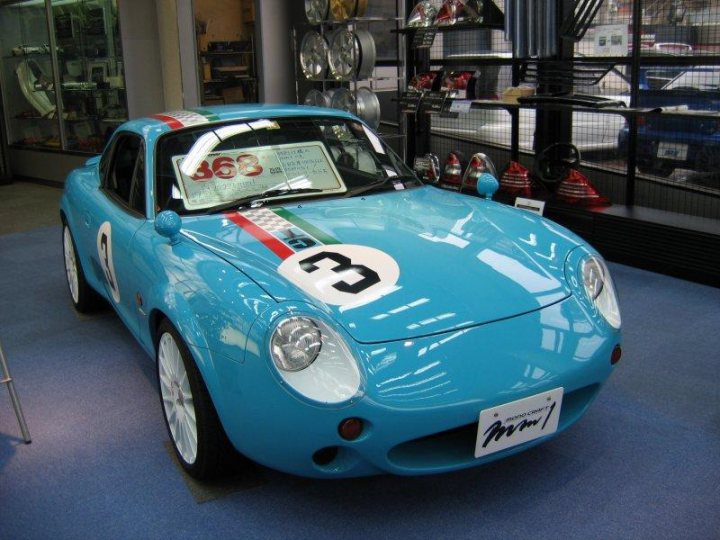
(168, 37)
(141, 52)
(273, 27)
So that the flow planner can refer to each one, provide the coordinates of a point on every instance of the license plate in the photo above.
(518, 422)
(675, 151)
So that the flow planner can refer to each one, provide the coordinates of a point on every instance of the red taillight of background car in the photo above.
(576, 189)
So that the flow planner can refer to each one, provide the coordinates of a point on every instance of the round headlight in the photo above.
(295, 344)
(600, 289)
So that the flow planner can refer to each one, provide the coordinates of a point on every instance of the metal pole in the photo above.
(6, 379)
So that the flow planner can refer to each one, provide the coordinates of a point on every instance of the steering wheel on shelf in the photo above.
(554, 162)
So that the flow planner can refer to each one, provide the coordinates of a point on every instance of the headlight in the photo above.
(600, 289)
(295, 344)
(314, 360)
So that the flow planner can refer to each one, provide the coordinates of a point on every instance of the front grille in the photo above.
(456, 447)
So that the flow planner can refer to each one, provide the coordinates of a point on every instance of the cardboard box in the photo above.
(511, 94)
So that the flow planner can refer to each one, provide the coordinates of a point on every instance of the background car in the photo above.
(311, 303)
(669, 142)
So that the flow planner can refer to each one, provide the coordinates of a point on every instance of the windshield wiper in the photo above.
(253, 200)
(287, 191)
(382, 183)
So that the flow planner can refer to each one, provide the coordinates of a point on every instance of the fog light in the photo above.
(616, 354)
(350, 428)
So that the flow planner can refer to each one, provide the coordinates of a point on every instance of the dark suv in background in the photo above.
(683, 142)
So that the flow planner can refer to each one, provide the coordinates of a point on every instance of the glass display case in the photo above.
(62, 73)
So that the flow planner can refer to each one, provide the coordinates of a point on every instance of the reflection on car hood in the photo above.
(397, 265)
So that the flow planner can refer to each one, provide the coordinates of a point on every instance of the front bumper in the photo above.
(421, 398)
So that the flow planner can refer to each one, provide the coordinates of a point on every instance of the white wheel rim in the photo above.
(71, 265)
(177, 398)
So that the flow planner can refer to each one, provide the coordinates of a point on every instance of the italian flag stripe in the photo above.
(207, 114)
(305, 226)
(174, 123)
(272, 243)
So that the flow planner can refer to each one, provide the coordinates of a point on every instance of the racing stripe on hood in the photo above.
(281, 231)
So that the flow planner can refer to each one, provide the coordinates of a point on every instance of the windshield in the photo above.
(250, 162)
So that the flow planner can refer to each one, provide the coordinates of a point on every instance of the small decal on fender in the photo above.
(104, 248)
(342, 274)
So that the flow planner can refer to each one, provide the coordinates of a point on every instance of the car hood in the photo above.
(397, 265)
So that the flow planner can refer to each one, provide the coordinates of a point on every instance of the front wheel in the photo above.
(83, 297)
(197, 436)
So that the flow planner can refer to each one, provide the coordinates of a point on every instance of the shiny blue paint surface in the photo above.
(487, 309)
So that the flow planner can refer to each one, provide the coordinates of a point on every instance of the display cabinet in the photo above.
(348, 56)
(62, 74)
(228, 72)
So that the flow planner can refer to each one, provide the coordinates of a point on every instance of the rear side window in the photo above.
(124, 179)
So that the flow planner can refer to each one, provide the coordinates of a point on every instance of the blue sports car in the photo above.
(315, 306)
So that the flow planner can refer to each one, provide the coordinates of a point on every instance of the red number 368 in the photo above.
(226, 168)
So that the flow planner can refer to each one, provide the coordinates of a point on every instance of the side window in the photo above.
(120, 174)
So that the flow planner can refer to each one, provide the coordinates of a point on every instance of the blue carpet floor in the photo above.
(642, 464)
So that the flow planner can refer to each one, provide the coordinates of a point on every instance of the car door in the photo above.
(120, 212)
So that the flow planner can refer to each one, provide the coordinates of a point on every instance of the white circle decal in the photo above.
(104, 248)
(342, 274)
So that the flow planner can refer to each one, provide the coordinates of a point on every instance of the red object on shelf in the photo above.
(576, 189)
(516, 180)
(453, 171)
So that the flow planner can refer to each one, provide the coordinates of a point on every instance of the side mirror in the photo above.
(90, 162)
(168, 224)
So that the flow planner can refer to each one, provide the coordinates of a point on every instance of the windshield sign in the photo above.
(233, 174)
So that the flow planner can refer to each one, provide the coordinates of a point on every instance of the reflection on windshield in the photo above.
(208, 167)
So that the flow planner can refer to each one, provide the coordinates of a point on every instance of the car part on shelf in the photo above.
(364, 104)
(515, 180)
(29, 74)
(341, 10)
(316, 11)
(577, 189)
(455, 164)
(460, 82)
(480, 175)
(422, 15)
(429, 80)
(313, 55)
(455, 11)
(352, 54)
(316, 98)
(554, 161)
(427, 167)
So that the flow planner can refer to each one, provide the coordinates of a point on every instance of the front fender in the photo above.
(212, 305)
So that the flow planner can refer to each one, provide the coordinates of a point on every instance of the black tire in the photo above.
(83, 296)
(212, 450)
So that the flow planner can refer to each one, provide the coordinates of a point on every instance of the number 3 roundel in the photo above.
(342, 274)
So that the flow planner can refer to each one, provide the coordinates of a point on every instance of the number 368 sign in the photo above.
(342, 274)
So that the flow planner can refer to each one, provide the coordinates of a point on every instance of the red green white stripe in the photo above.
(277, 227)
(181, 119)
